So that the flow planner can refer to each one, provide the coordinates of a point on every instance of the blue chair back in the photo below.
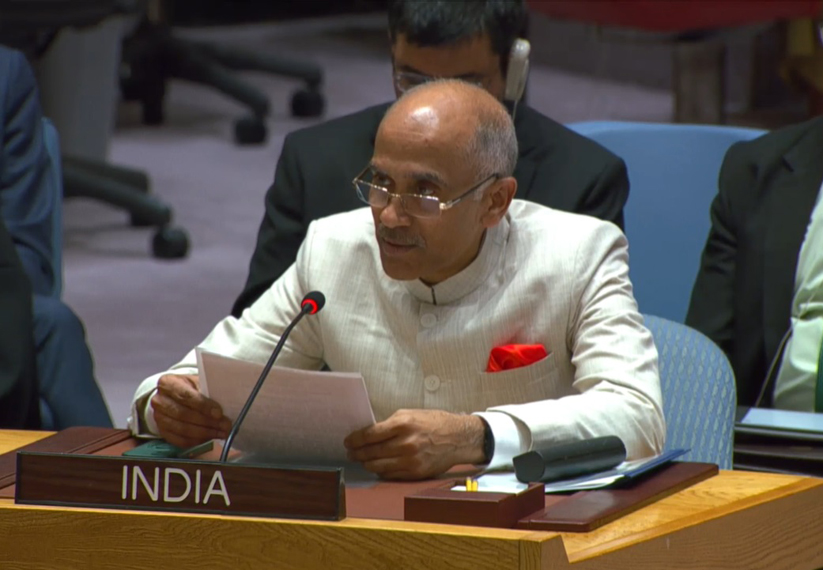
(699, 395)
(55, 185)
(673, 171)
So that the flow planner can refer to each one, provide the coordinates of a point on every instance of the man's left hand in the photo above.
(418, 444)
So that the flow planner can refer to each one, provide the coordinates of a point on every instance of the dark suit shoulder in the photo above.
(771, 147)
(341, 132)
(541, 135)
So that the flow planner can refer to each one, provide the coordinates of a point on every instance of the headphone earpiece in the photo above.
(518, 70)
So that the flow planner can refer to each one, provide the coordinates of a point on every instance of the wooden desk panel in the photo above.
(736, 520)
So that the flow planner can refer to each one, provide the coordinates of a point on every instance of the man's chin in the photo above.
(397, 271)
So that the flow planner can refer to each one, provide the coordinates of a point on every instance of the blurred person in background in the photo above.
(64, 363)
(759, 290)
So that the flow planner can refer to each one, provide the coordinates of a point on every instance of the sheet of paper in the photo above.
(298, 417)
(496, 483)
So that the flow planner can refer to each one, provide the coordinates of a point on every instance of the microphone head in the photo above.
(314, 300)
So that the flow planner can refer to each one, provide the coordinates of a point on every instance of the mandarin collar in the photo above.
(469, 279)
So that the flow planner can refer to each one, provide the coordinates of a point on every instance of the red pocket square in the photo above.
(512, 356)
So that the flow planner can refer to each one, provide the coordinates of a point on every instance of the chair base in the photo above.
(126, 189)
(152, 56)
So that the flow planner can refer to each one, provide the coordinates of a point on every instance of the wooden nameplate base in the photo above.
(582, 511)
(477, 508)
(585, 511)
(179, 485)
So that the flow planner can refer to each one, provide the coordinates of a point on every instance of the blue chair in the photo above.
(673, 171)
(699, 395)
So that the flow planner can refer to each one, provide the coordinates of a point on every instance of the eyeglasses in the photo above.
(415, 205)
(405, 80)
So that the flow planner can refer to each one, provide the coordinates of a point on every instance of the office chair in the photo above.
(673, 172)
(30, 26)
(699, 396)
(152, 55)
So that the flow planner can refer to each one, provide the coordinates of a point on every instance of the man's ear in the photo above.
(498, 199)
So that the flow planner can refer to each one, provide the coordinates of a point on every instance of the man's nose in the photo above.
(393, 215)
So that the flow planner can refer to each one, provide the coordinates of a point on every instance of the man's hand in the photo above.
(184, 416)
(418, 444)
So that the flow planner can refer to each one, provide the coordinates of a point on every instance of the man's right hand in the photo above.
(184, 416)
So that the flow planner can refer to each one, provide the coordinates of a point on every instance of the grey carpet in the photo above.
(142, 314)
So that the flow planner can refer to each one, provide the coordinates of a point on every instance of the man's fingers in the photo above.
(377, 433)
(184, 390)
(392, 448)
(184, 434)
(398, 468)
(161, 403)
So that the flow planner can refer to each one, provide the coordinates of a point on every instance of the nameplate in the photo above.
(179, 485)
(444, 505)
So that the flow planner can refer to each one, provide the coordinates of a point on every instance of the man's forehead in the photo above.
(425, 115)
(398, 171)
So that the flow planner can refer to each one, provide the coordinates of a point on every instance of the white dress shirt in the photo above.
(796, 381)
(542, 276)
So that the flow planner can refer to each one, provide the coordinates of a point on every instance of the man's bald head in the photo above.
(458, 115)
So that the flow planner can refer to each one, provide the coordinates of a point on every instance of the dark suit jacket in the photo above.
(19, 402)
(743, 294)
(26, 202)
(557, 167)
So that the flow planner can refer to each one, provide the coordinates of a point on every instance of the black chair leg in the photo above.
(244, 60)
(135, 178)
(307, 102)
(79, 180)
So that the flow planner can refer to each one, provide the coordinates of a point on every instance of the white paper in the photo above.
(298, 417)
(496, 483)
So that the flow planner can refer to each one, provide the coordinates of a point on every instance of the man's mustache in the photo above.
(399, 237)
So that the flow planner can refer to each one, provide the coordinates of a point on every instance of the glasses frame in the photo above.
(402, 197)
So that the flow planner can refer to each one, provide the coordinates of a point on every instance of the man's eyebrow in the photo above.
(376, 170)
(417, 176)
(462, 76)
(427, 176)
(410, 69)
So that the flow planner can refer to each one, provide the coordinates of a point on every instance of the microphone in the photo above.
(310, 305)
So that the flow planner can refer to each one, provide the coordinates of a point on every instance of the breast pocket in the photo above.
(537, 381)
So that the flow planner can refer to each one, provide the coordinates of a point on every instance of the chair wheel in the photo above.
(138, 222)
(170, 243)
(153, 112)
(307, 103)
(250, 130)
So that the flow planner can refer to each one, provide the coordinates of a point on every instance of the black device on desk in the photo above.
(569, 460)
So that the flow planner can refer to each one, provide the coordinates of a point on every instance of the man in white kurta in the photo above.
(536, 276)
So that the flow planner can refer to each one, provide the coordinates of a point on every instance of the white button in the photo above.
(428, 320)
(432, 383)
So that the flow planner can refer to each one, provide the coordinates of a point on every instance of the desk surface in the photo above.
(734, 520)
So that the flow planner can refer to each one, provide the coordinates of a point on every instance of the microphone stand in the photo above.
(304, 310)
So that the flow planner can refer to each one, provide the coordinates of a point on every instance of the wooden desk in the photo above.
(738, 519)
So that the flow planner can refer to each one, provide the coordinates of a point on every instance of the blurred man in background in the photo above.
(759, 292)
(18, 380)
(64, 363)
